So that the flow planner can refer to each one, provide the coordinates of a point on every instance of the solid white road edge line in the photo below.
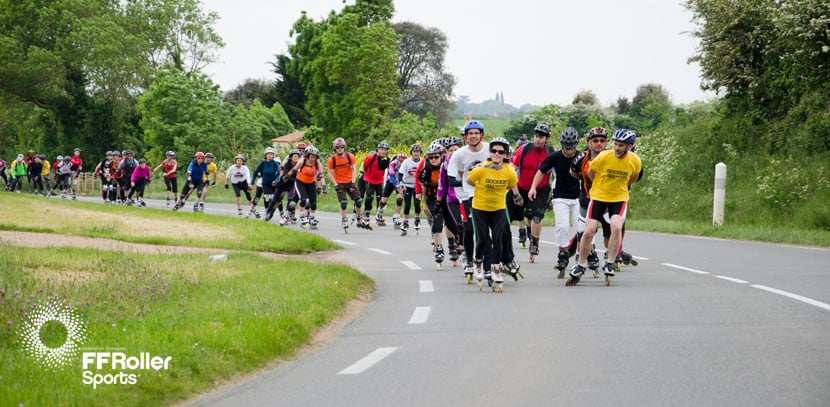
(411, 265)
(420, 315)
(684, 268)
(793, 296)
(734, 280)
(379, 251)
(345, 242)
(370, 360)
(426, 286)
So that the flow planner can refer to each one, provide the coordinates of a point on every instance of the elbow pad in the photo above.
(453, 181)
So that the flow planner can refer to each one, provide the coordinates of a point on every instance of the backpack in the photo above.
(334, 163)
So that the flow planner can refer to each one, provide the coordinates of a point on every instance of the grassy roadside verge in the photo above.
(216, 320)
(152, 226)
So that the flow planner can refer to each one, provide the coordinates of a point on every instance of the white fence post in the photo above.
(720, 194)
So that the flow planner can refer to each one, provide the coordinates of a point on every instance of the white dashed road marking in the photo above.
(370, 360)
(426, 286)
(379, 251)
(734, 280)
(345, 242)
(420, 315)
(411, 265)
(793, 296)
(685, 268)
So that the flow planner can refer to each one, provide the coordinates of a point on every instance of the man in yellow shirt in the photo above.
(612, 172)
(212, 170)
(491, 180)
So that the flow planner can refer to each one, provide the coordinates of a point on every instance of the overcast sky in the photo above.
(537, 52)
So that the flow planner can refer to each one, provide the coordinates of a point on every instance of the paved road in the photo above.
(698, 322)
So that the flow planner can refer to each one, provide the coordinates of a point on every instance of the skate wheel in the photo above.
(634, 262)
(439, 266)
(607, 280)
(521, 245)
(519, 272)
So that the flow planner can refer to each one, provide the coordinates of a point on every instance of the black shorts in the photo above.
(598, 209)
(172, 184)
(388, 190)
(239, 187)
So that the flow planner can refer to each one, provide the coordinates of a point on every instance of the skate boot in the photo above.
(453, 252)
(609, 270)
(292, 216)
(239, 210)
(366, 224)
(304, 221)
(74, 197)
(534, 248)
(522, 237)
(496, 278)
(576, 273)
(202, 207)
(479, 271)
(593, 262)
(168, 201)
(404, 227)
(312, 222)
(417, 224)
(63, 194)
(439, 256)
(626, 258)
(396, 221)
(141, 203)
(379, 219)
(250, 213)
(345, 223)
(514, 269)
(196, 207)
(176, 206)
(562, 263)
(468, 272)
(130, 202)
(283, 220)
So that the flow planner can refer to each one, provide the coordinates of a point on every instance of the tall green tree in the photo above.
(425, 85)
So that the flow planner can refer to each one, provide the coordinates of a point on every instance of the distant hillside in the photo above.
(492, 108)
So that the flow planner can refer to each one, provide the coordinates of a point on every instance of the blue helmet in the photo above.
(625, 136)
(473, 124)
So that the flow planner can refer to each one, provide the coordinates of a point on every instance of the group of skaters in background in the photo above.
(468, 189)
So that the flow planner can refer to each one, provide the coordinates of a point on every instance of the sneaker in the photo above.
(609, 269)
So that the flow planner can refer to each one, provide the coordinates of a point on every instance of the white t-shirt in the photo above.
(408, 169)
(238, 174)
(463, 161)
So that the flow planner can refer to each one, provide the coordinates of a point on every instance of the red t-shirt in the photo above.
(371, 173)
(528, 165)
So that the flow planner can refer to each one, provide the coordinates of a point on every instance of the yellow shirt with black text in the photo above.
(491, 186)
(611, 175)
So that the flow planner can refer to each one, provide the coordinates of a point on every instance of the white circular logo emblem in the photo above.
(52, 357)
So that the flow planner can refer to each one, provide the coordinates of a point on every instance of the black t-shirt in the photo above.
(565, 186)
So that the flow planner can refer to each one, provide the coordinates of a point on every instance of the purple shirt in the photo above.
(140, 173)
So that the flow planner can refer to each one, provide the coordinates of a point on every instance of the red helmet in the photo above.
(200, 155)
(301, 145)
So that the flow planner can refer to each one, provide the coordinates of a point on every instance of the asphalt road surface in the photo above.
(699, 322)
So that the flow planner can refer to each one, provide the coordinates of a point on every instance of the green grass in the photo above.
(152, 226)
(215, 319)
(492, 127)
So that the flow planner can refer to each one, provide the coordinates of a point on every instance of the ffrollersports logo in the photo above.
(52, 357)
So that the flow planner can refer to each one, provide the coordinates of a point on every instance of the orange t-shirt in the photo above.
(307, 173)
(342, 168)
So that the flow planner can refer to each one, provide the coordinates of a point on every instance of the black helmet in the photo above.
(569, 138)
(542, 129)
(383, 144)
(142, 160)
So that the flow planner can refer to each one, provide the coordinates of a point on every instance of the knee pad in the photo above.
(399, 201)
(256, 200)
(343, 204)
(358, 202)
(537, 219)
(198, 193)
(292, 205)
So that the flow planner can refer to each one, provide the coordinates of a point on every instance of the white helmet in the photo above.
(269, 150)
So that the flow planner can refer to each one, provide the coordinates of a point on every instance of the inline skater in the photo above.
(125, 168)
(196, 171)
(170, 166)
(374, 169)
(527, 160)
(102, 172)
(285, 186)
(77, 167)
(491, 180)
(597, 139)
(462, 161)
(44, 173)
(238, 174)
(18, 170)
(565, 194)
(115, 194)
(140, 179)
(35, 169)
(449, 204)
(308, 173)
(268, 170)
(3, 174)
(429, 177)
(342, 173)
(612, 172)
(407, 174)
(392, 186)
(213, 170)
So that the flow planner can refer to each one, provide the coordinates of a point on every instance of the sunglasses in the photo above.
(498, 152)
(434, 157)
(339, 147)
(599, 140)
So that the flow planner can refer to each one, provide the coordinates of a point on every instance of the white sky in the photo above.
(533, 51)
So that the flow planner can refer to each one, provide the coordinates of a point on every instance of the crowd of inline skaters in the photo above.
(469, 190)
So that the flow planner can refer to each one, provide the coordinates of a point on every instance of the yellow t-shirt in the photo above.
(491, 186)
(611, 175)
(46, 167)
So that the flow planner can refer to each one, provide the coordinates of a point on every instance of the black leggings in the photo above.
(437, 215)
(460, 215)
(373, 191)
(306, 194)
(489, 231)
(408, 197)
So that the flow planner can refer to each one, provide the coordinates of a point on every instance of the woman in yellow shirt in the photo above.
(491, 180)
